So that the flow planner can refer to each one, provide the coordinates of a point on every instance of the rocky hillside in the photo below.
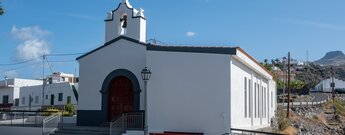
(334, 58)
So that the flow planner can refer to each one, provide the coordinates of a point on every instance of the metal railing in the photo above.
(235, 131)
(127, 121)
(22, 118)
(305, 104)
(51, 124)
(117, 126)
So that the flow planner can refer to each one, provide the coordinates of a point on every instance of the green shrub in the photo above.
(50, 111)
(70, 108)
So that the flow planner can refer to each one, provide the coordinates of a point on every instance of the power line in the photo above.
(22, 62)
(22, 67)
(62, 61)
(30, 60)
(50, 67)
(65, 54)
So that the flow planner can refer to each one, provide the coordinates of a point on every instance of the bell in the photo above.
(124, 22)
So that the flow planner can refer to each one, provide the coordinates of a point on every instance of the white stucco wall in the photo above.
(257, 112)
(189, 92)
(95, 67)
(6, 92)
(136, 27)
(50, 89)
(13, 88)
(325, 85)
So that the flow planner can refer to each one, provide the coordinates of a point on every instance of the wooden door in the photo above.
(121, 97)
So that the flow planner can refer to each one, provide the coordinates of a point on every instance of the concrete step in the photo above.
(133, 132)
(82, 132)
(82, 128)
(79, 130)
(77, 134)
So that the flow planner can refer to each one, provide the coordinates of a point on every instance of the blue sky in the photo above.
(264, 28)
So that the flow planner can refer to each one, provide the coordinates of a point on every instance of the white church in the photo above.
(192, 89)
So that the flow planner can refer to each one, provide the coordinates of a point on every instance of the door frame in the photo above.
(105, 90)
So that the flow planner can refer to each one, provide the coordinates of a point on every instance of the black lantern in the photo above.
(145, 74)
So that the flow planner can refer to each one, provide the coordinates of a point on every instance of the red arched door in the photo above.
(121, 97)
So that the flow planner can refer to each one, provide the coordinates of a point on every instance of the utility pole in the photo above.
(288, 86)
(332, 84)
(43, 85)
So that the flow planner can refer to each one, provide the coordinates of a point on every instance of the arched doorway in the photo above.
(121, 97)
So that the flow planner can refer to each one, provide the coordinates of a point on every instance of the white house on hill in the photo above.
(325, 85)
(192, 89)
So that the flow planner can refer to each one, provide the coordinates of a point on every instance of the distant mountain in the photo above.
(334, 58)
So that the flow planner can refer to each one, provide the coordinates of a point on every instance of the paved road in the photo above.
(319, 96)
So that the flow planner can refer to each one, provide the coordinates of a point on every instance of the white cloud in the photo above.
(33, 43)
(31, 49)
(11, 74)
(27, 33)
(190, 34)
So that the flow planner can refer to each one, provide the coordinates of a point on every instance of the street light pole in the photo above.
(145, 75)
(146, 124)
(289, 89)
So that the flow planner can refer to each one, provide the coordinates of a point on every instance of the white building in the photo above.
(55, 94)
(192, 89)
(58, 77)
(325, 85)
(9, 90)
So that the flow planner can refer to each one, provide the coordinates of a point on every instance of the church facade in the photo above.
(192, 89)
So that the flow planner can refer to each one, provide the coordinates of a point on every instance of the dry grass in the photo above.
(290, 131)
(320, 118)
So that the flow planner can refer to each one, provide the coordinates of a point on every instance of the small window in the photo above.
(271, 99)
(50, 80)
(46, 96)
(245, 97)
(60, 96)
(23, 100)
(5, 99)
(63, 79)
(250, 99)
(16, 102)
(36, 99)
(69, 100)
(255, 100)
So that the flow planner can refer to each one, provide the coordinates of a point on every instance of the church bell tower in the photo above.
(125, 21)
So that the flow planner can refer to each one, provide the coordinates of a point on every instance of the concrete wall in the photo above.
(189, 92)
(6, 130)
(95, 67)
